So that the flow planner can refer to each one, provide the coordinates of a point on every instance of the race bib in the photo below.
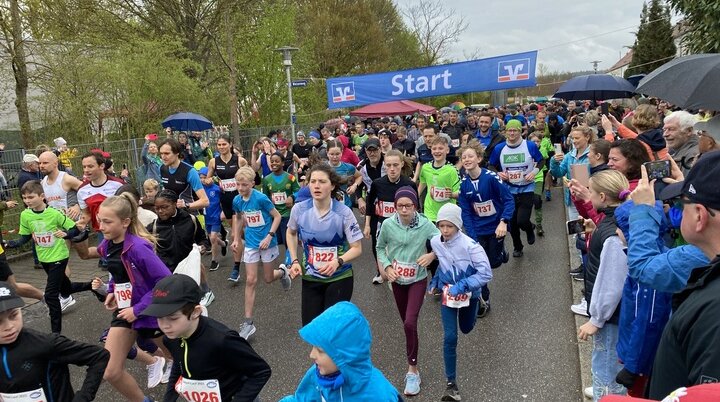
(304, 161)
(384, 209)
(44, 239)
(228, 185)
(516, 176)
(319, 257)
(198, 390)
(461, 300)
(279, 198)
(486, 208)
(407, 271)
(440, 194)
(455, 143)
(254, 219)
(37, 395)
(123, 294)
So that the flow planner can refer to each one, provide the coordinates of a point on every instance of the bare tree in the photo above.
(436, 27)
(14, 44)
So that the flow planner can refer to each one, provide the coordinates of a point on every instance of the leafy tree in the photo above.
(701, 17)
(654, 45)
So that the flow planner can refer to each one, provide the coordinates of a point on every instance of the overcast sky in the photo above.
(500, 27)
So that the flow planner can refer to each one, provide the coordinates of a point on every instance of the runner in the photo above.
(487, 206)
(545, 147)
(404, 257)
(180, 177)
(280, 187)
(381, 199)
(60, 188)
(36, 364)
(255, 210)
(331, 239)
(440, 178)
(463, 270)
(517, 162)
(6, 274)
(349, 176)
(213, 219)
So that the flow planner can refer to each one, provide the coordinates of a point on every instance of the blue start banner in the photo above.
(501, 72)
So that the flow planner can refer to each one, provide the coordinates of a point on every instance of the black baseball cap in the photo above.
(9, 298)
(171, 294)
(371, 143)
(699, 186)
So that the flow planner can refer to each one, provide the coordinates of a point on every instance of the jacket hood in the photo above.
(653, 138)
(344, 334)
(622, 219)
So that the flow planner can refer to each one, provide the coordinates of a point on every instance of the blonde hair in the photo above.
(245, 172)
(151, 183)
(474, 145)
(125, 207)
(611, 183)
(587, 131)
(646, 118)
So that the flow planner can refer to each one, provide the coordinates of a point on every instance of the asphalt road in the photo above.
(524, 350)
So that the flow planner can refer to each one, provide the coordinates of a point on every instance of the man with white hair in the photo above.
(682, 142)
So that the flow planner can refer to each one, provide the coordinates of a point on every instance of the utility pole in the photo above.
(595, 64)
(287, 62)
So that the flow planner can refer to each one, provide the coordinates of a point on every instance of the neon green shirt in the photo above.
(42, 226)
(278, 189)
(440, 182)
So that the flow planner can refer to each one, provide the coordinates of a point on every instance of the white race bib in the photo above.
(254, 219)
(440, 194)
(198, 390)
(407, 271)
(384, 209)
(228, 185)
(320, 256)
(279, 198)
(123, 294)
(516, 176)
(461, 300)
(304, 161)
(455, 143)
(37, 395)
(45, 239)
(486, 208)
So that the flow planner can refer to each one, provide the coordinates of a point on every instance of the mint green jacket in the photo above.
(401, 244)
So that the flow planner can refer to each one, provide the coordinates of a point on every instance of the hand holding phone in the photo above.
(657, 170)
(575, 226)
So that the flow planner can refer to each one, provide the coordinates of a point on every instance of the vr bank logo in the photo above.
(343, 91)
(514, 70)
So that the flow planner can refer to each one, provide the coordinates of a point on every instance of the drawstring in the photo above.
(5, 363)
(184, 345)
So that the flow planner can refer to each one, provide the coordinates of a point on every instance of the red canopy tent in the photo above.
(394, 108)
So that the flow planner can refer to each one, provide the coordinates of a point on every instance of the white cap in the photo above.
(59, 141)
(30, 158)
(451, 213)
(712, 127)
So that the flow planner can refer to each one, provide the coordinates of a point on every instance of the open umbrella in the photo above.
(595, 87)
(690, 82)
(635, 79)
(185, 121)
(457, 105)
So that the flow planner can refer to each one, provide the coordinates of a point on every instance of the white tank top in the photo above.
(55, 196)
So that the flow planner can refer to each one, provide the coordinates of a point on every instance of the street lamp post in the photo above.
(287, 63)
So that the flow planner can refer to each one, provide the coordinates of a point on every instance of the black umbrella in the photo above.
(690, 82)
(595, 87)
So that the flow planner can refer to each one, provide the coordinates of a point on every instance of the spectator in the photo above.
(150, 158)
(64, 153)
(681, 140)
(646, 122)
(709, 133)
(200, 148)
(29, 171)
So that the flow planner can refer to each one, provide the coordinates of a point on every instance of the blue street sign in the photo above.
(299, 83)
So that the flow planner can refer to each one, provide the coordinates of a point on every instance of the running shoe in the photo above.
(214, 266)
(506, 256)
(378, 279)
(234, 275)
(580, 308)
(66, 302)
(517, 253)
(540, 231)
(588, 392)
(247, 329)
(483, 308)
(531, 235)
(577, 271)
(579, 278)
(166, 373)
(548, 195)
(37, 266)
(451, 392)
(207, 298)
(223, 248)
(155, 372)
(285, 280)
(412, 384)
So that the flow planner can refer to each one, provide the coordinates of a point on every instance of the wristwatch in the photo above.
(272, 234)
(504, 220)
(341, 262)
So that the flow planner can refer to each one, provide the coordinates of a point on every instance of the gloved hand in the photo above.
(626, 378)
(82, 236)
(458, 288)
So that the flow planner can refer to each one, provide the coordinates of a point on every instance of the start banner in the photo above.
(494, 73)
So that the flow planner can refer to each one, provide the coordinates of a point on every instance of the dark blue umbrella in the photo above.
(595, 87)
(185, 121)
(635, 79)
(689, 82)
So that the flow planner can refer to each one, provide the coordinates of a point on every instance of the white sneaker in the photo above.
(66, 302)
(285, 280)
(155, 372)
(588, 392)
(166, 373)
(246, 330)
(377, 280)
(580, 308)
(207, 298)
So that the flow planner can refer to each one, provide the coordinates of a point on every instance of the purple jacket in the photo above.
(145, 269)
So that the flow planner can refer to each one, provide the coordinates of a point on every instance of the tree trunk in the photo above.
(21, 76)
(232, 83)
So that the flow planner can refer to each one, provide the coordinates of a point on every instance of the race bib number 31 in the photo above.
(123, 294)
(199, 390)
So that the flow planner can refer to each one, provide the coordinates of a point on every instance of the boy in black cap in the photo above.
(206, 352)
(35, 364)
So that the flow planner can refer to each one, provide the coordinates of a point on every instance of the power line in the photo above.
(596, 36)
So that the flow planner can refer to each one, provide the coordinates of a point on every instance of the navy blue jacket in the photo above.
(489, 188)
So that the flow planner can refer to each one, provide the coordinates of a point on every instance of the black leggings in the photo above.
(58, 283)
(319, 296)
(521, 217)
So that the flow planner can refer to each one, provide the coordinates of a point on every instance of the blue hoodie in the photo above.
(489, 188)
(344, 334)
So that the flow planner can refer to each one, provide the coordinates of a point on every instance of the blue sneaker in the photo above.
(234, 275)
(548, 195)
(412, 384)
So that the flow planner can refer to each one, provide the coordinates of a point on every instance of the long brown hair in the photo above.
(125, 207)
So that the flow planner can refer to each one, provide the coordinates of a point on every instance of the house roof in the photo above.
(624, 61)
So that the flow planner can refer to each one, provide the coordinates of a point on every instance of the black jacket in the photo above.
(37, 360)
(216, 352)
(176, 236)
(689, 352)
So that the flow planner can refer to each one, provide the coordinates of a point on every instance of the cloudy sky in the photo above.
(510, 26)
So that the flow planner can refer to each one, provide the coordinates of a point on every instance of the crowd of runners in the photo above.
(436, 195)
